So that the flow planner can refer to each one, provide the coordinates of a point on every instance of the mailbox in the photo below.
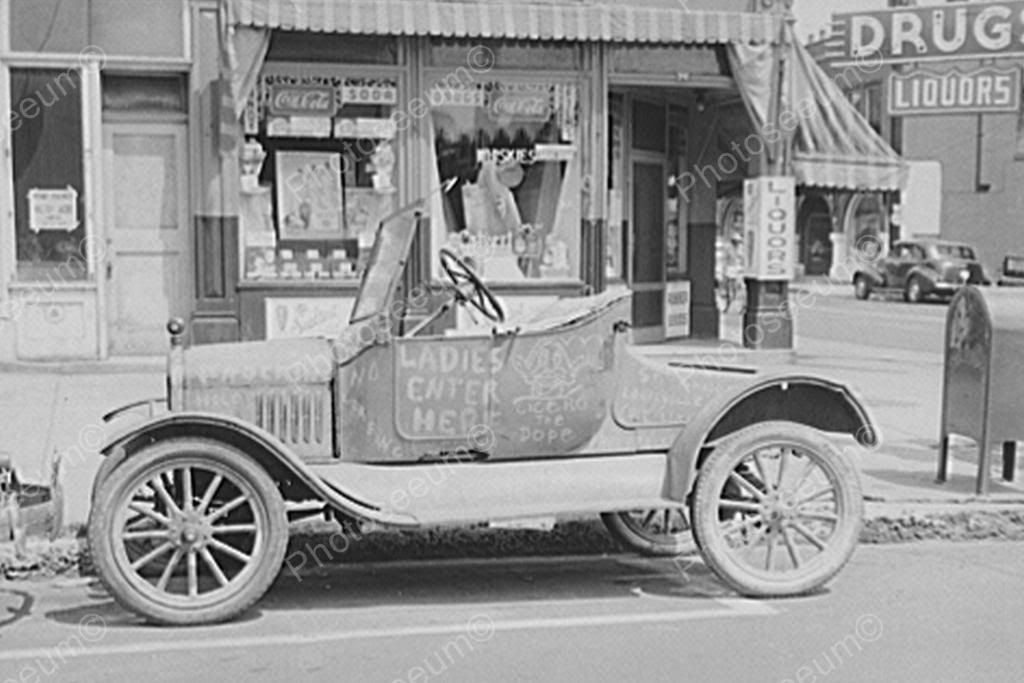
(983, 377)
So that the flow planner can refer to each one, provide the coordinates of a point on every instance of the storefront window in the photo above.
(318, 173)
(512, 147)
(49, 184)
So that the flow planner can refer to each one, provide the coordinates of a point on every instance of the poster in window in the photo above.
(309, 204)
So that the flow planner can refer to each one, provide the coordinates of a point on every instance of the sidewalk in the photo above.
(58, 408)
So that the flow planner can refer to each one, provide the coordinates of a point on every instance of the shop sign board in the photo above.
(301, 100)
(52, 209)
(985, 90)
(306, 316)
(677, 309)
(960, 30)
(358, 93)
(769, 214)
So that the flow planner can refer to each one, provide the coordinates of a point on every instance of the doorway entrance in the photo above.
(148, 264)
(815, 221)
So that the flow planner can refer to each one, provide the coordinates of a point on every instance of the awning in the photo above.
(563, 20)
(833, 144)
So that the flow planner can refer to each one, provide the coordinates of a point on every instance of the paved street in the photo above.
(924, 612)
(830, 312)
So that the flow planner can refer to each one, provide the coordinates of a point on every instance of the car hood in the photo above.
(263, 363)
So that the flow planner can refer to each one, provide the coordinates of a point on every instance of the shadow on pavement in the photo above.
(685, 581)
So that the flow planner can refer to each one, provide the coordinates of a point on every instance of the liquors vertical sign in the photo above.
(769, 216)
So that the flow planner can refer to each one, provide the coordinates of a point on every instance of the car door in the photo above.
(899, 264)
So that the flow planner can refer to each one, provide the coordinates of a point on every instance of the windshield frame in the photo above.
(388, 256)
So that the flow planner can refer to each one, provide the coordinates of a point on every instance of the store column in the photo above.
(770, 217)
(701, 233)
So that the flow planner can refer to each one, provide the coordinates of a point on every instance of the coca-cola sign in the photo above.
(521, 106)
(295, 100)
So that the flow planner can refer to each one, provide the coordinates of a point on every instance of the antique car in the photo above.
(920, 268)
(401, 425)
(1011, 274)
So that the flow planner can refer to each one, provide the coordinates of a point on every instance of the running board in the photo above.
(459, 493)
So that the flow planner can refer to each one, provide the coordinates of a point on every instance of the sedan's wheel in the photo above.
(658, 533)
(208, 518)
(914, 293)
(861, 288)
(777, 510)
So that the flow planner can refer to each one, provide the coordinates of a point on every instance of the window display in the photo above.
(318, 171)
(512, 147)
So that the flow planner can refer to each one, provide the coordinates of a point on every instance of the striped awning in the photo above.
(549, 20)
(835, 146)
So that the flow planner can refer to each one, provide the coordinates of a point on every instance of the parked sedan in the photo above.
(920, 268)
(1012, 272)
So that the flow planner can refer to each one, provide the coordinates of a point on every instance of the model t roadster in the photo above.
(409, 428)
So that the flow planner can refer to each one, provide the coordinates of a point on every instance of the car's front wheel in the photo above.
(777, 509)
(915, 291)
(861, 287)
(661, 532)
(188, 531)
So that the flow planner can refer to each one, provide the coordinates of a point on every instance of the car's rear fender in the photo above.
(816, 402)
(295, 478)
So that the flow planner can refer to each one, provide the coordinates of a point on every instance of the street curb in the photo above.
(324, 544)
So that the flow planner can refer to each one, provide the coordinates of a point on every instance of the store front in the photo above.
(233, 172)
(340, 129)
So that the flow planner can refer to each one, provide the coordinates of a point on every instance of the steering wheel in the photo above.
(480, 296)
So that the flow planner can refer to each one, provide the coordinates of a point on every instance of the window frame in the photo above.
(438, 229)
(90, 156)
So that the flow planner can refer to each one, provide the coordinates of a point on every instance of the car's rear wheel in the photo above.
(205, 515)
(777, 510)
(861, 287)
(664, 532)
(915, 290)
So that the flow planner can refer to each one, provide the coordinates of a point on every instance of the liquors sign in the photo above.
(983, 90)
(769, 216)
(935, 32)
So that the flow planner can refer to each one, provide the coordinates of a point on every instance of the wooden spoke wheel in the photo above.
(777, 510)
(661, 532)
(188, 531)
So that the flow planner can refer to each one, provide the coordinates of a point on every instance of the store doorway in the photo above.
(815, 221)
(147, 257)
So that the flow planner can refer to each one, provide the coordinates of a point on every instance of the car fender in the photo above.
(874, 277)
(925, 273)
(813, 401)
(260, 445)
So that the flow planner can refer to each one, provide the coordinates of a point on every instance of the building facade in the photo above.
(232, 168)
(966, 163)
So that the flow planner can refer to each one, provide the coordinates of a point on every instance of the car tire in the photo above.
(234, 538)
(914, 293)
(861, 287)
(735, 494)
(635, 532)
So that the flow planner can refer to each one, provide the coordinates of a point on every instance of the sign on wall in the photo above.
(301, 100)
(769, 216)
(677, 309)
(935, 32)
(984, 90)
(52, 209)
